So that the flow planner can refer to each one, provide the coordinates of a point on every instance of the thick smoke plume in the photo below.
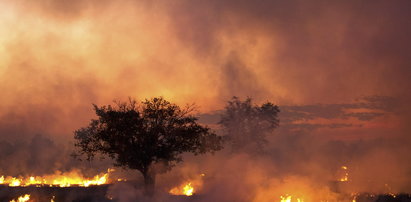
(339, 71)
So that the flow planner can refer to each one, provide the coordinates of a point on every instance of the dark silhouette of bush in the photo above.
(246, 125)
(139, 136)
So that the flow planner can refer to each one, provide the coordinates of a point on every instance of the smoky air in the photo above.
(284, 101)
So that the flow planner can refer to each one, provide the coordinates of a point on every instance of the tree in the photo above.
(138, 136)
(246, 125)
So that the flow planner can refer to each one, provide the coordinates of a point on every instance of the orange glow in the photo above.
(187, 189)
(345, 177)
(73, 178)
(288, 198)
(24, 198)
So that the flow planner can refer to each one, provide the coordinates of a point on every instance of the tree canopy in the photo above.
(138, 136)
(246, 125)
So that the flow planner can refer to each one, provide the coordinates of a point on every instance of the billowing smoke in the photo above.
(301, 159)
(339, 71)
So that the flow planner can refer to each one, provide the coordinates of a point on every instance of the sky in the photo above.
(57, 57)
(339, 70)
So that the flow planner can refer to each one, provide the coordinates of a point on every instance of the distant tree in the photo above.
(138, 136)
(246, 125)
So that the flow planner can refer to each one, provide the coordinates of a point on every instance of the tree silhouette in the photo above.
(246, 125)
(138, 136)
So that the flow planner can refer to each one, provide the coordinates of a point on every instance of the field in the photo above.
(99, 194)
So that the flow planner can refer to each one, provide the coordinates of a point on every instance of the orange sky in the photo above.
(58, 57)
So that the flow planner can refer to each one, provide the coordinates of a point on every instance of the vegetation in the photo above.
(139, 136)
(246, 125)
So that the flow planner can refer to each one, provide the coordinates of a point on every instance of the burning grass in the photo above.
(98, 193)
(24, 198)
(186, 189)
(73, 186)
(60, 186)
(95, 193)
(60, 179)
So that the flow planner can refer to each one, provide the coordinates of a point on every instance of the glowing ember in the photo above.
(290, 199)
(187, 190)
(189, 187)
(58, 179)
(22, 198)
(345, 177)
(354, 197)
(14, 182)
(285, 199)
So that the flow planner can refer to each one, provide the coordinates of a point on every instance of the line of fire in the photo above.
(73, 186)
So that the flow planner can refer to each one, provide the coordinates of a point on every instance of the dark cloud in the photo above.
(379, 105)
(298, 117)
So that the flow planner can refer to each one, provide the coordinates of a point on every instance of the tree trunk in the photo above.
(149, 183)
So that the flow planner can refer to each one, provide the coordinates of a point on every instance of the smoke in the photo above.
(294, 51)
(312, 58)
(41, 155)
(301, 160)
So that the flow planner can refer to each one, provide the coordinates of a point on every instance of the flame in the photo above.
(58, 179)
(189, 187)
(15, 182)
(345, 177)
(24, 198)
(187, 190)
(289, 199)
